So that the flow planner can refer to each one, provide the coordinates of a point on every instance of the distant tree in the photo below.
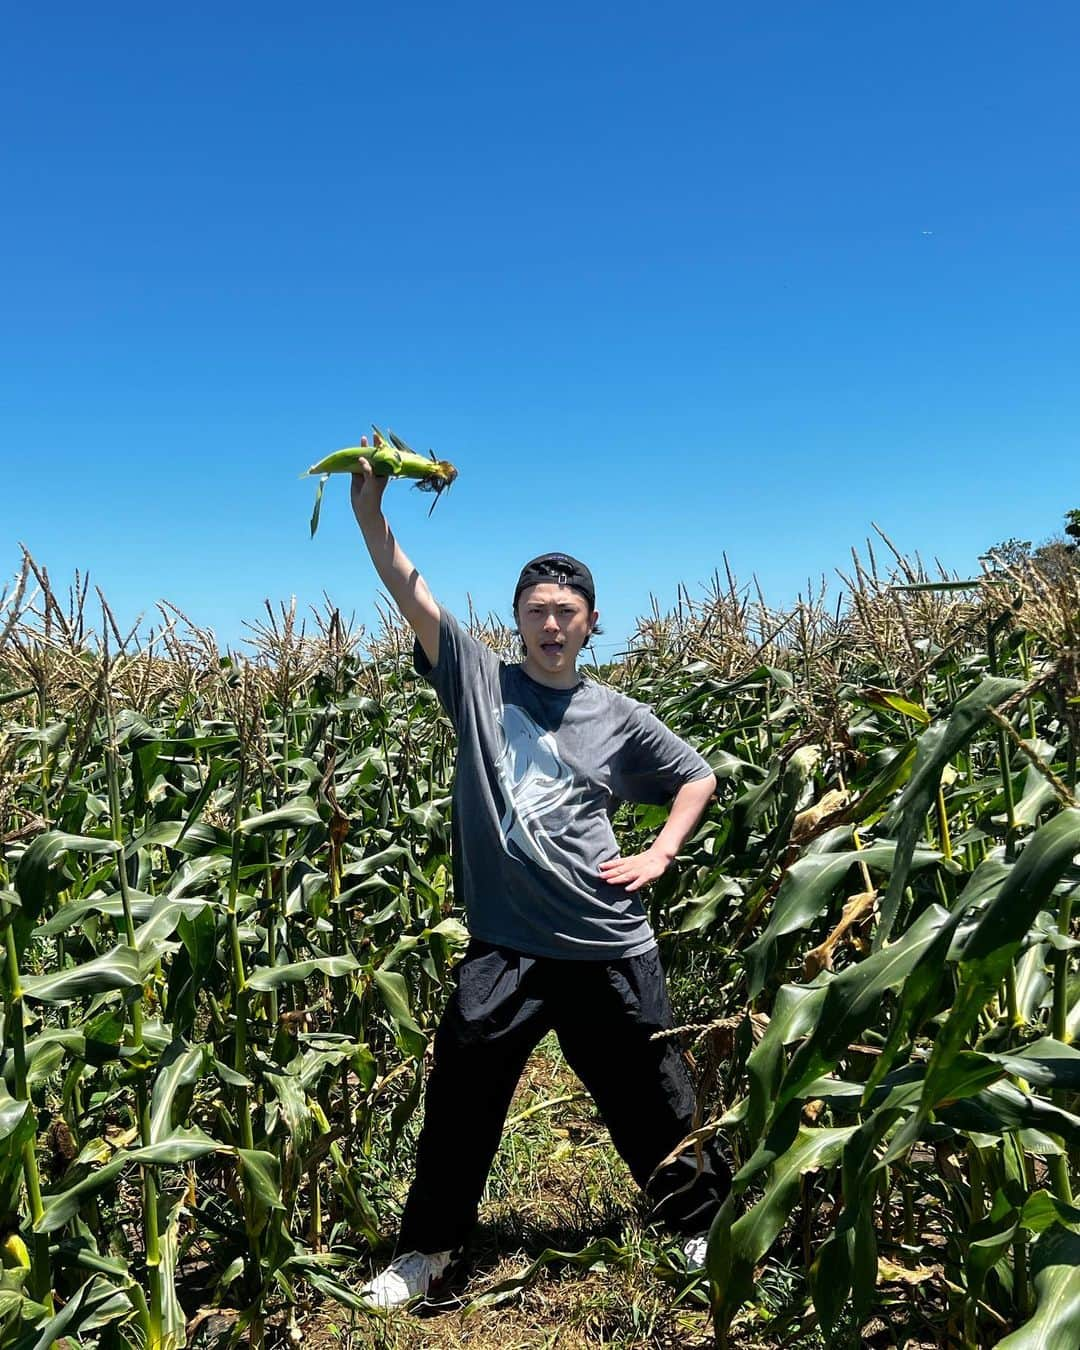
(1057, 559)
(1057, 556)
(1007, 554)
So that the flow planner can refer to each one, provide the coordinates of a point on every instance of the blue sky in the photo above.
(664, 281)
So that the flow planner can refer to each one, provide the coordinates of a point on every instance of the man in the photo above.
(559, 936)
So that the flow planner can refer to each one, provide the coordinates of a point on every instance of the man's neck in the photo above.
(563, 679)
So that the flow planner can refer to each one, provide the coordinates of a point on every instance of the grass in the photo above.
(558, 1184)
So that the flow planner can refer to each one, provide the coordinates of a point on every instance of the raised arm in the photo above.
(406, 586)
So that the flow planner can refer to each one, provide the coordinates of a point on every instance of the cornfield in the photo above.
(229, 923)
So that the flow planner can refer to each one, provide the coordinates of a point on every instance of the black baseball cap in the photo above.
(561, 569)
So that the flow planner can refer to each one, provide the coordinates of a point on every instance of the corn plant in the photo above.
(892, 878)
(228, 920)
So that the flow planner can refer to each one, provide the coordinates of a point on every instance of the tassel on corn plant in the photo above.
(389, 457)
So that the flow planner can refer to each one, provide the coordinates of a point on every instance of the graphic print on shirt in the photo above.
(535, 783)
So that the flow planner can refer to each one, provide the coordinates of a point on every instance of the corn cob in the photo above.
(389, 457)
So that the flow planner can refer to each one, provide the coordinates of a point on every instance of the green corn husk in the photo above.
(389, 457)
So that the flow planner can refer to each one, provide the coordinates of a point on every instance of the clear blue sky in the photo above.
(662, 280)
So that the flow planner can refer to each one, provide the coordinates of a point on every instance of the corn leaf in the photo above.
(935, 748)
(1045, 1063)
(12, 1114)
(193, 966)
(1002, 1107)
(847, 1261)
(218, 771)
(807, 887)
(1037, 796)
(991, 945)
(96, 1293)
(163, 921)
(295, 815)
(180, 1068)
(261, 1175)
(273, 977)
(701, 910)
(173, 1321)
(601, 1253)
(852, 999)
(395, 997)
(887, 781)
(116, 969)
(18, 1126)
(887, 701)
(1055, 1265)
(795, 1013)
(182, 1146)
(317, 508)
(736, 1248)
(41, 873)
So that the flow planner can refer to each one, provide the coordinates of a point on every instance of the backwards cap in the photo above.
(561, 569)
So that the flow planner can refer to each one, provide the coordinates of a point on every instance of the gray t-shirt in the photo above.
(540, 772)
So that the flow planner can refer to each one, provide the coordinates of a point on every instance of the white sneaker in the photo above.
(694, 1250)
(405, 1278)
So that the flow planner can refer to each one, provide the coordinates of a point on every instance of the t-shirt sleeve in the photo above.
(654, 763)
(462, 660)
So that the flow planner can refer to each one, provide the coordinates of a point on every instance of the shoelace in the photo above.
(409, 1267)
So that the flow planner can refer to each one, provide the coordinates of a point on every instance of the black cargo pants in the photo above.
(604, 1013)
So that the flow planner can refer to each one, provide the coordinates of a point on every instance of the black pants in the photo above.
(604, 1013)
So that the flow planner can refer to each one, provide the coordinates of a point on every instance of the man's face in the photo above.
(554, 622)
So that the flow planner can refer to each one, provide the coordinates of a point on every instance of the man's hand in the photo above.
(638, 870)
(686, 809)
(367, 492)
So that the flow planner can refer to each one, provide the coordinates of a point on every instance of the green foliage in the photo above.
(229, 925)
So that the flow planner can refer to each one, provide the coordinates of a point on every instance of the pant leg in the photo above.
(493, 1021)
(604, 1022)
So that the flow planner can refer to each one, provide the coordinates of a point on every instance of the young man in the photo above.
(559, 936)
